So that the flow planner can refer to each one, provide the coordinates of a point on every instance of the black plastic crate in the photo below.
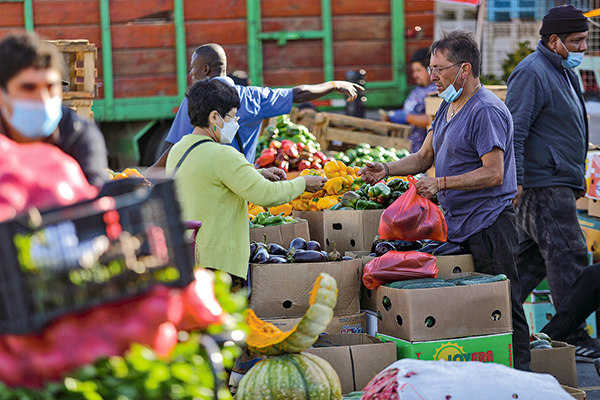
(94, 252)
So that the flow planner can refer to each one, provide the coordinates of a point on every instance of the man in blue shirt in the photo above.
(471, 142)
(257, 103)
(413, 112)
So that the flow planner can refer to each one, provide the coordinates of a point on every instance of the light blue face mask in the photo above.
(573, 59)
(451, 94)
(36, 119)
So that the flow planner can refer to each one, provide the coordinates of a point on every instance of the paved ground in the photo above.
(588, 380)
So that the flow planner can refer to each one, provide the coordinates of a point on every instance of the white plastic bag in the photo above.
(456, 380)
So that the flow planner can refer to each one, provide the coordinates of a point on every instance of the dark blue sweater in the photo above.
(550, 122)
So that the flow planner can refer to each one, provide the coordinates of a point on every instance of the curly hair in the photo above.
(207, 95)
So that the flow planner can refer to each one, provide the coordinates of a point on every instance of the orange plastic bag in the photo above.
(413, 217)
(399, 266)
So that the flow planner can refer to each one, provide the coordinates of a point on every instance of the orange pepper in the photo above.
(356, 169)
(313, 206)
(350, 179)
(286, 209)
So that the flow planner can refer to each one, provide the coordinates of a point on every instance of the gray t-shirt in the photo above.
(483, 123)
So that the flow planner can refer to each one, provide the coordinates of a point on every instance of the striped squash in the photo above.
(290, 377)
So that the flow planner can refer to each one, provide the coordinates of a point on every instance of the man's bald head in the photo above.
(208, 61)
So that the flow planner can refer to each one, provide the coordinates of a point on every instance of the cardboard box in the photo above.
(350, 230)
(559, 362)
(372, 323)
(591, 229)
(539, 314)
(446, 265)
(356, 358)
(281, 234)
(593, 208)
(446, 312)
(574, 392)
(353, 323)
(282, 290)
(455, 264)
(583, 203)
(491, 348)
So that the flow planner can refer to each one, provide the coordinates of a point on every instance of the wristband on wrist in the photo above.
(439, 188)
(387, 169)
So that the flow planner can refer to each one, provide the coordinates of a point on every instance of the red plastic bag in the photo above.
(399, 266)
(412, 217)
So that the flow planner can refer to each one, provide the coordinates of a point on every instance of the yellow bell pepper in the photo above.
(311, 172)
(336, 186)
(300, 205)
(327, 202)
(286, 209)
(334, 169)
(356, 169)
(313, 205)
(350, 179)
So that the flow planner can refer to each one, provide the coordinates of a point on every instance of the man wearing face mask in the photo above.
(471, 142)
(551, 136)
(31, 107)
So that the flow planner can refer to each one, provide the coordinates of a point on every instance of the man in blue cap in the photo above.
(551, 136)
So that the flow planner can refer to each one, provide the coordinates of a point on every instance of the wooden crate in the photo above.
(353, 130)
(80, 56)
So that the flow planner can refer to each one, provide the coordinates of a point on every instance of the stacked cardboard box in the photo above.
(459, 322)
(280, 234)
(280, 292)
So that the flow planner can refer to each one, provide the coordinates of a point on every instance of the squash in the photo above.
(267, 339)
(289, 377)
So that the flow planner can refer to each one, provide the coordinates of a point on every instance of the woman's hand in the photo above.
(314, 183)
(274, 174)
(372, 173)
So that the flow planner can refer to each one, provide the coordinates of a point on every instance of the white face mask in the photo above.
(36, 119)
(228, 130)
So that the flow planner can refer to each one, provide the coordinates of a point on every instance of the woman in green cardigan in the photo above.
(215, 182)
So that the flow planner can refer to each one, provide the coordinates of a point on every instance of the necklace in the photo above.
(461, 104)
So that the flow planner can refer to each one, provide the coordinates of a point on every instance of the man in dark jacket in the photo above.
(551, 135)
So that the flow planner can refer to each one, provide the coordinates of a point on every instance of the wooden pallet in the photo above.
(353, 130)
(80, 56)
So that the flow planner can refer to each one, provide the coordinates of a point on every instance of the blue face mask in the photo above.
(451, 94)
(573, 59)
(36, 119)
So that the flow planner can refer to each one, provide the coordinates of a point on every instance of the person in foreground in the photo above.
(31, 108)
(215, 182)
(471, 143)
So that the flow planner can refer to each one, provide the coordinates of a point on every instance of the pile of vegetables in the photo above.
(344, 190)
(299, 251)
(142, 373)
(364, 153)
(263, 219)
(288, 146)
(380, 247)
(127, 173)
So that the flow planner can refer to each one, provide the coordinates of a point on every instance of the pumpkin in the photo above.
(289, 377)
(265, 338)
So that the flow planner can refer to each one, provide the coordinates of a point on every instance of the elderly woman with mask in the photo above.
(215, 182)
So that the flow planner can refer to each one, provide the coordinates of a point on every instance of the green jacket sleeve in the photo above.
(244, 180)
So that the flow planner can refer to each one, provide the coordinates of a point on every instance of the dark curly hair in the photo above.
(19, 51)
(207, 95)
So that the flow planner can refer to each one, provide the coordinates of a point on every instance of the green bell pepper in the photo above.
(357, 184)
(398, 184)
(336, 207)
(367, 205)
(394, 196)
(349, 199)
(261, 218)
(275, 220)
(379, 193)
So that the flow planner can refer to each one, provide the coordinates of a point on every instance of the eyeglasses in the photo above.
(436, 70)
(232, 117)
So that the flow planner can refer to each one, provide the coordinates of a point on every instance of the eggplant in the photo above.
(277, 260)
(372, 255)
(298, 244)
(313, 245)
(324, 253)
(403, 245)
(346, 258)
(260, 257)
(383, 247)
(252, 249)
(275, 249)
(308, 256)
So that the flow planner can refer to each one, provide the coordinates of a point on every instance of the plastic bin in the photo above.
(71, 258)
